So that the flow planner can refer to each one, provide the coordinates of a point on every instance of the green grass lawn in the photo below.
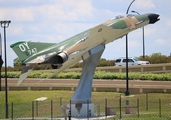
(158, 104)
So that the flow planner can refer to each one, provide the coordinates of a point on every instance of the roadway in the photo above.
(98, 85)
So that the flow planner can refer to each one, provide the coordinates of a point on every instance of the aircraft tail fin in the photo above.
(25, 49)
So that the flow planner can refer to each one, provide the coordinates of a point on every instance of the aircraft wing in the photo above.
(26, 70)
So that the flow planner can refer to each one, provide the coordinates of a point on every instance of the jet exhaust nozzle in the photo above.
(153, 18)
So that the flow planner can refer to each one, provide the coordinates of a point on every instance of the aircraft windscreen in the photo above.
(136, 59)
(130, 15)
(119, 16)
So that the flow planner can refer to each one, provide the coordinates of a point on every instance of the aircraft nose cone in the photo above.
(153, 18)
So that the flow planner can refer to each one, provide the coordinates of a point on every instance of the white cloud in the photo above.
(64, 10)
(16, 14)
(35, 29)
(112, 13)
(145, 4)
(163, 42)
(83, 8)
(52, 18)
(160, 42)
(134, 43)
(22, 14)
(149, 31)
(16, 29)
(169, 22)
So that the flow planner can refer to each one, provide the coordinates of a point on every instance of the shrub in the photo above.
(35, 75)
(46, 75)
(97, 75)
(11, 74)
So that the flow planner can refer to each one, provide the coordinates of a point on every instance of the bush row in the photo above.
(97, 75)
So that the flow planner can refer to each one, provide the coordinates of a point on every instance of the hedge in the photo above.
(97, 75)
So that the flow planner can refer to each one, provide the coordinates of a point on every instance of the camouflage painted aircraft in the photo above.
(70, 51)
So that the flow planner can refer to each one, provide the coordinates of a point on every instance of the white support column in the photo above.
(90, 59)
(81, 100)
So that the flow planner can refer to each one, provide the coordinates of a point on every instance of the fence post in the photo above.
(138, 107)
(87, 109)
(146, 101)
(69, 114)
(36, 108)
(106, 108)
(159, 107)
(120, 106)
(12, 111)
(60, 102)
(32, 110)
(51, 109)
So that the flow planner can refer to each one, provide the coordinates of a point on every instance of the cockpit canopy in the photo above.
(121, 16)
(130, 15)
(117, 17)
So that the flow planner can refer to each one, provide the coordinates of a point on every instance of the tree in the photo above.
(17, 62)
(157, 55)
(1, 61)
(102, 59)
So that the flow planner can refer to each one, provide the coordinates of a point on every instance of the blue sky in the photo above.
(56, 20)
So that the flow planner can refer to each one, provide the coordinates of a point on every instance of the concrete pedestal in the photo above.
(82, 110)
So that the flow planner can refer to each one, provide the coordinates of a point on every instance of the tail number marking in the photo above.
(25, 48)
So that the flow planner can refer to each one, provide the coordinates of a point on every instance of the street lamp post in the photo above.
(1, 62)
(142, 34)
(127, 82)
(5, 24)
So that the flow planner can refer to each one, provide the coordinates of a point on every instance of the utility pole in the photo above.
(142, 35)
(127, 82)
(1, 61)
(5, 24)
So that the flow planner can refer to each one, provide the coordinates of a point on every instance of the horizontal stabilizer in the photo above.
(24, 73)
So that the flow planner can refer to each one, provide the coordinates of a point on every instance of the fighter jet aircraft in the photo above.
(70, 51)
